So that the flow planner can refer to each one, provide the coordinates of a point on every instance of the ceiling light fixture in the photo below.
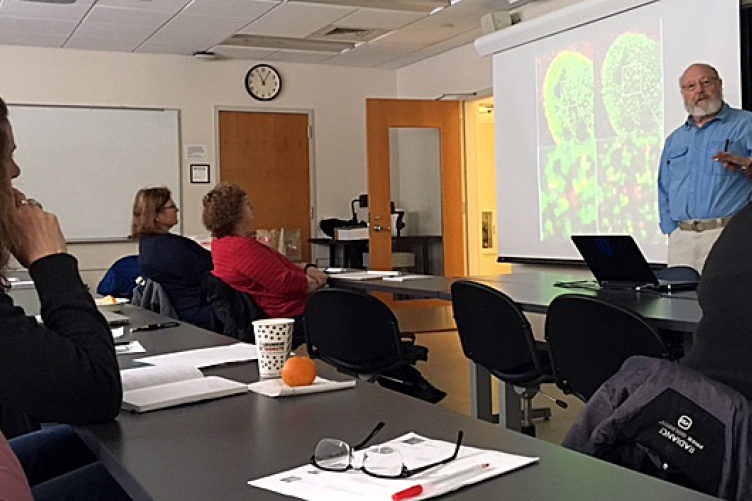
(284, 43)
(407, 5)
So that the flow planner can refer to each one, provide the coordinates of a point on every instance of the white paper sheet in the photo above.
(130, 348)
(310, 483)
(206, 357)
(402, 278)
(276, 388)
(117, 331)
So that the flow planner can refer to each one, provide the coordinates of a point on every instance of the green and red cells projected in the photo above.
(600, 136)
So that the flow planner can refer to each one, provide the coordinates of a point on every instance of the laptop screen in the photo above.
(614, 259)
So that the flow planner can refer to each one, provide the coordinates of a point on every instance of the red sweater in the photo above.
(274, 282)
(13, 483)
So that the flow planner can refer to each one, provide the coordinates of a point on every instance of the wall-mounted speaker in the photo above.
(495, 21)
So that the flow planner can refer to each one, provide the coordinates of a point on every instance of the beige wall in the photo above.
(334, 95)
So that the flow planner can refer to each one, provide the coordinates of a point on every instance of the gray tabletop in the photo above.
(534, 291)
(209, 450)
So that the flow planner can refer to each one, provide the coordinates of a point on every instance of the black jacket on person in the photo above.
(65, 370)
(671, 422)
(722, 345)
(179, 264)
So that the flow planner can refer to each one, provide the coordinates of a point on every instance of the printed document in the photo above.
(313, 484)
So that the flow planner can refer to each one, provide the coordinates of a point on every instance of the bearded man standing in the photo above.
(704, 176)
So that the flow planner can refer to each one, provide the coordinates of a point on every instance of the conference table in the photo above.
(209, 450)
(533, 291)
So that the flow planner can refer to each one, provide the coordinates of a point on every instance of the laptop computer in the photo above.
(617, 263)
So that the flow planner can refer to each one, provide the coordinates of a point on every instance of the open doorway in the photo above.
(480, 182)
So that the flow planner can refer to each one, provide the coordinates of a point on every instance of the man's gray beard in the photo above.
(698, 112)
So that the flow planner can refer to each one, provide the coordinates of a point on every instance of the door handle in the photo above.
(381, 228)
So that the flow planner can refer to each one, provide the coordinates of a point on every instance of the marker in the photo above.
(153, 327)
(429, 484)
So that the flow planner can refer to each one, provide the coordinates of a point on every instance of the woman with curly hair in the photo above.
(63, 371)
(177, 263)
(277, 285)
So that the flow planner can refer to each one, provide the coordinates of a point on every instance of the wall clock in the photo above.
(263, 82)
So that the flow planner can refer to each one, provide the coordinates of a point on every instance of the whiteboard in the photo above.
(85, 164)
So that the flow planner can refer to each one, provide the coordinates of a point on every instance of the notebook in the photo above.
(617, 263)
(114, 319)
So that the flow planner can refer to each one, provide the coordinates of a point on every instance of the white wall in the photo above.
(336, 95)
(459, 70)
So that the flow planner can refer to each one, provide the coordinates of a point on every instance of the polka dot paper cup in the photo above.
(273, 342)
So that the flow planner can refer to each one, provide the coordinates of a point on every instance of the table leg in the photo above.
(481, 404)
(510, 414)
(481, 401)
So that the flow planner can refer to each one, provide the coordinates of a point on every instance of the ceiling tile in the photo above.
(432, 50)
(105, 31)
(28, 39)
(60, 12)
(117, 15)
(36, 26)
(171, 6)
(204, 31)
(378, 18)
(296, 20)
(157, 47)
(247, 9)
(368, 55)
(102, 44)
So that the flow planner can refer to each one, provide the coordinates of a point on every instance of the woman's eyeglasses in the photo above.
(168, 207)
(383, 461)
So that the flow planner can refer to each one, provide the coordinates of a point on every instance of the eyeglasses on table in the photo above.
(383, 461)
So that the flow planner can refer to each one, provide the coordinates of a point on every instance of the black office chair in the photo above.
(359, 335)
(496, 335)
(234, 309)
(589, 339)
(678, 273)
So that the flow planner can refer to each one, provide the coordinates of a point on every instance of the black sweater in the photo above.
(722, 346)
(179, 265)
(65, 371)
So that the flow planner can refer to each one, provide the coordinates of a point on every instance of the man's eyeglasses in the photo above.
(704, 83)
(383, 461)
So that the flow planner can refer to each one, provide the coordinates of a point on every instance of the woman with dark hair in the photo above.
(277, 285)
(64, 371)
(177, 263)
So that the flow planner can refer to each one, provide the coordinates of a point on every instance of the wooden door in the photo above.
(381, 116)
(267, 154)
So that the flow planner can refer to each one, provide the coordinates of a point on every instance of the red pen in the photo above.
(429, 484)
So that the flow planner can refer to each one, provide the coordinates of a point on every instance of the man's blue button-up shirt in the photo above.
(691, 185)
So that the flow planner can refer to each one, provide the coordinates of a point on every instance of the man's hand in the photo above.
(36, 233)
(733, 162)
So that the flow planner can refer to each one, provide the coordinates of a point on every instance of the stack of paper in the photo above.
(277, 388)
(206, 357)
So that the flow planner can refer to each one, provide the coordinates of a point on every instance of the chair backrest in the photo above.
(589, 339)
(120, 279)
(678, 273)
(352, 331)
(494, 332)
(150, 294)
(234, 309)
